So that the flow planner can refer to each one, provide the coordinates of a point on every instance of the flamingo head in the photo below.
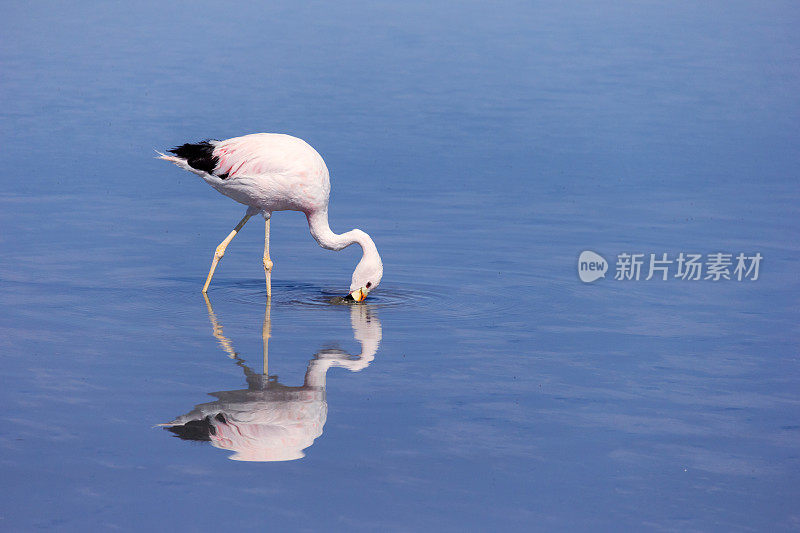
(366, 277)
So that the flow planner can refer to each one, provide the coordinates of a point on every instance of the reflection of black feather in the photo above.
(199, 156)
(200, 430)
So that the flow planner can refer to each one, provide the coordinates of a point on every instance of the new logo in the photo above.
(591, 266)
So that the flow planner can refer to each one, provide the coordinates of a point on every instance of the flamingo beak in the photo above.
(358, 294)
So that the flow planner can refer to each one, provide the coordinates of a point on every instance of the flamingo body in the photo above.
(266, 171)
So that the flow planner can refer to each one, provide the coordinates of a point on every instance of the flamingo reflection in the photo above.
(269, 421)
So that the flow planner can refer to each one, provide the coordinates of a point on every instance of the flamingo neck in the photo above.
(322, 233)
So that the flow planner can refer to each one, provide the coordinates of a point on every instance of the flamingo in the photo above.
(270, 172)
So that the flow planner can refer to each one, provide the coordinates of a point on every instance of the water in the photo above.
(483, 386)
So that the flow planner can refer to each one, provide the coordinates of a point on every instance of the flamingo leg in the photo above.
(220, 251)
(267, 261)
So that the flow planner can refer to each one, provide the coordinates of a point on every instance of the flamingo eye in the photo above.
(369, 284)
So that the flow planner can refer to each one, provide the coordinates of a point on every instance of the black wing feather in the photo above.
(199, 156)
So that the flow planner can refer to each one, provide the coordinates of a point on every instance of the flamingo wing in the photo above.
(265, 154)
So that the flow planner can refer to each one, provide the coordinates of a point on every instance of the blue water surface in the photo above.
(483, 386)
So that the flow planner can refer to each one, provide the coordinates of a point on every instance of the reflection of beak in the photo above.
(358, 294)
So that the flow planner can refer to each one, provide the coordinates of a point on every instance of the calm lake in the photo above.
(483, 386)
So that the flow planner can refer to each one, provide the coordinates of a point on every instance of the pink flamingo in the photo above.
(275, 172)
